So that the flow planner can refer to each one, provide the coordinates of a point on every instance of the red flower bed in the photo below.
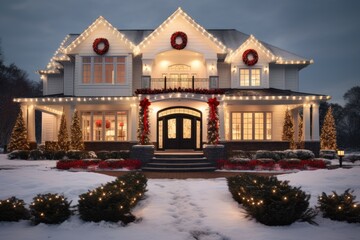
(67, 164)
(129, 164)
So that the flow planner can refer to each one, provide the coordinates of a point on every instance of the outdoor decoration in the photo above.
(288, 129)
(13, 210)
(213, 121)
(328, 132)
(103, 50)
(144, 128)
(179, 90)
(300, 143)
(174, 44)
(77, 142)
(98, 123)
(63, 136)
(18, 139)
(250, 61)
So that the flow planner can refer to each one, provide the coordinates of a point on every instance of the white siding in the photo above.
(292, 78)
(277, 77)
(137, 72)
(55, 84)
(48, 127)
(69, 78)
(224, 75)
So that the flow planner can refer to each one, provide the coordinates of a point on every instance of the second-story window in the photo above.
(103, 70)
(250, 77)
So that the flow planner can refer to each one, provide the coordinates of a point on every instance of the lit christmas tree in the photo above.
(328, 132)
(18, 139)
(301, 143)
(63, 137)
(77, 142)
(288, 129)
(213, 121)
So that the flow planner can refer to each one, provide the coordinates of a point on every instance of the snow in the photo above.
(173, 209)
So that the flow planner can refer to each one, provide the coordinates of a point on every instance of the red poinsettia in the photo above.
(98, 123)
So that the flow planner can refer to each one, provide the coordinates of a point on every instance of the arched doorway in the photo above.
(179, 128)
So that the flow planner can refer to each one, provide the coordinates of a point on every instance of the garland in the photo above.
(254, 59)
(96, 46)
(144, 129)
(179, 90)
(213, 121)
(183, 43)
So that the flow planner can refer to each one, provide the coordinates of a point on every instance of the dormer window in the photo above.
(250, 77)
(103, 70)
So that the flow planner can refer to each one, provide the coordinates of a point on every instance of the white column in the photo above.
(306, 122)
(221, 122)
(31, 123)
(133, 122)
(315, 122)
(295, 114)
(68, 111)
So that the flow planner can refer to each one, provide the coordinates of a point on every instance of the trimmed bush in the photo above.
(270, 201)
(36, 155)
(13, 210)
(59, 155)
(113, 201)
(103, 155)
(49, 155)
(75, 154)
(328, 154)
(340, 207)
(304, 154)
(19, 154)
(50, 208)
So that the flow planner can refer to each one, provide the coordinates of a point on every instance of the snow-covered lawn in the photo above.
(173, 209)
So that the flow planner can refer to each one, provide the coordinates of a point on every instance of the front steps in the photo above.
(179, 162)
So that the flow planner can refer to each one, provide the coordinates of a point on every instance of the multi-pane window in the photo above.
(250, 77)
(103, 70)
(251, 125)
(104, 126)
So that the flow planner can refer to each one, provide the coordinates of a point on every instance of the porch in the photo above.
(148, 82)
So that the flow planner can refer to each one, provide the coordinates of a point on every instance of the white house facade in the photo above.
(104, 73)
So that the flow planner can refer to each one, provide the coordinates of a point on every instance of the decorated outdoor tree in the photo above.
(328, 132)
(18, 139)
(77, 142)
(63, 137)
(301, 143)
(213, 121)
(144, 126)
(288, 129)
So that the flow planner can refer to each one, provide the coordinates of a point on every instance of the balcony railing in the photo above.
(166, 83)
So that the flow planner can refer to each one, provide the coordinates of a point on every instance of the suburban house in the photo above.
(104, 72)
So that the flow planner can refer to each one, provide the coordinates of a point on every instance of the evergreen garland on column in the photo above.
(18, 139)
(213, 121)
(288, 129)
(301, 143)
(77, 142)
(144, 126)
(328, 132)
(63, 136)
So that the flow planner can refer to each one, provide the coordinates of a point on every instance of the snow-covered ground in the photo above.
(173, 209)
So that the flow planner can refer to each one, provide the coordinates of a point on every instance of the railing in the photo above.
(166, 83)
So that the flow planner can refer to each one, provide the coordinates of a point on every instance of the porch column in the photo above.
(315, 122)
(133, 122)
(31, 123)
(222, 122)
(295, 114)
(68, 111)
(306, 122)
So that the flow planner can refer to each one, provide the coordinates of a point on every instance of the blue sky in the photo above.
(327, 31)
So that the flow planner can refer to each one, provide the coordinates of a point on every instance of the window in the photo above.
(103, 70)
(250, 77)
(251, 125)
(104, 126)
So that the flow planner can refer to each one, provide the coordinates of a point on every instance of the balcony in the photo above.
(189, 83)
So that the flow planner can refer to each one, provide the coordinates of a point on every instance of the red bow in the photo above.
(144, 104)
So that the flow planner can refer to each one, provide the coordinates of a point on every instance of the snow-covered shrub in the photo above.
(290, 154)
(304, 154)
(13, 155)
(113, 201)
(239, 160)
(328, 154)
(103, 155)
(75, 154)
(13, 210)
(274, 155)
(352, 157)
(50, 208)
(19, 154)
(36, 155)
(91, 154)
(59, 155)
(340, 207)
(270, 201)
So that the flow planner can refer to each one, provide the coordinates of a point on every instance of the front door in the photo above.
(179, 128)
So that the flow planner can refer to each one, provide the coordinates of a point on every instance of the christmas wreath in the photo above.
(174, 44)
(99, 41)
(247, 60)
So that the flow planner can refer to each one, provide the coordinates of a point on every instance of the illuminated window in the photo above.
(250, 77)
(251, 125)
(103, 70)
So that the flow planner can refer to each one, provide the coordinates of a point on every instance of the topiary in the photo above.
(50, 208)
(13, 210)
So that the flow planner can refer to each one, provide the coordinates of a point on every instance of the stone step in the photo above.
(179, 165)
(178, 160)
(192, 169)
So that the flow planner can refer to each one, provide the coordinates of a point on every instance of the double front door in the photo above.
(179, 129)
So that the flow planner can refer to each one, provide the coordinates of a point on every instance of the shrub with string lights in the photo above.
(340, 207)
(113, 201)
(270, 201)
(13, 210)
(50, 208)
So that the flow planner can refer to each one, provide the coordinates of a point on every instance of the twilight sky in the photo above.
(327, 31)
